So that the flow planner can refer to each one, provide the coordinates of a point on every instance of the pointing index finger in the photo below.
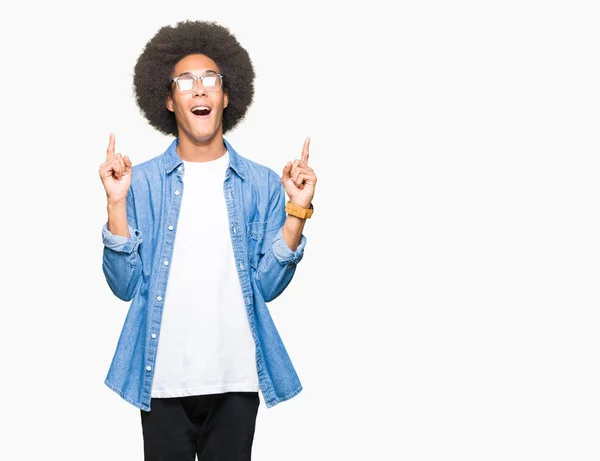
(304, 158)
(111, 147)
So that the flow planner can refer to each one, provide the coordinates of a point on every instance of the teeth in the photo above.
(200, 108)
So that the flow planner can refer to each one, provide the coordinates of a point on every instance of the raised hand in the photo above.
(299, 179)
(115, 173)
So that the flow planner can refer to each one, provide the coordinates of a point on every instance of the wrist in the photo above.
(116, 204)
(301, 203)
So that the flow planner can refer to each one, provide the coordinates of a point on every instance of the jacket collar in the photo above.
(172, 159)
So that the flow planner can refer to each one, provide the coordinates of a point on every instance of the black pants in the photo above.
(216, 427)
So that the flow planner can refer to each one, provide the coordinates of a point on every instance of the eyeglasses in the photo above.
(186, 83)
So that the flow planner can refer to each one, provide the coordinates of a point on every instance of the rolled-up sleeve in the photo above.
(282, 251)
(121, 262)
(119, 243)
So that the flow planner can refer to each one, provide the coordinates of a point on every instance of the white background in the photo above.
(447, 304)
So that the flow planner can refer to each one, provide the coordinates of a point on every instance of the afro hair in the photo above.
(153, 70)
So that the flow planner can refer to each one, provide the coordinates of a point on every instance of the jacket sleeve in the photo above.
(278, 262)
(121, 262)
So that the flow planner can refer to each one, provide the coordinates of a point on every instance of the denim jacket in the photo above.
(137, 268)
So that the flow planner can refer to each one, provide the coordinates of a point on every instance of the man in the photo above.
(198, 237)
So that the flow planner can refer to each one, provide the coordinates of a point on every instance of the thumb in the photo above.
(128, 163)
(286, 171)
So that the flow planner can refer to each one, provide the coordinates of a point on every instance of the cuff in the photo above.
(282, 251)
(118, 242)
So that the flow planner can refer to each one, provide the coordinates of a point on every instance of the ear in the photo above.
(225, 100)
(169, 102)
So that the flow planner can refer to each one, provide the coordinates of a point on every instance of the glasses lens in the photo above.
(185, 84)
(211, 82)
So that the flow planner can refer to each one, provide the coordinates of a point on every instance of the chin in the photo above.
(201, 137)
(204, 137)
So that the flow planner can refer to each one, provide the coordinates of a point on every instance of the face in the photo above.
(198, 126)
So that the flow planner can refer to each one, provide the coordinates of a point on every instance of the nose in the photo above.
(199, 88)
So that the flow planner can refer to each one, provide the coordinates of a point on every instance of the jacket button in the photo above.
(153, 335)
(148, 368)
(176, 192)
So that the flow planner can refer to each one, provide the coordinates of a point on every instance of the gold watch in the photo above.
(297, 211)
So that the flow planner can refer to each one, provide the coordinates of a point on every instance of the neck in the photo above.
(201, 151)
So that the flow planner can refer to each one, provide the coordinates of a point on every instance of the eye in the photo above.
(209, 80)
(185, 83)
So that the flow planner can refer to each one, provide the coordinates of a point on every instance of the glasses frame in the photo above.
(196, 78)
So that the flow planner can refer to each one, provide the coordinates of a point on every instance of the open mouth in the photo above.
(201, 111)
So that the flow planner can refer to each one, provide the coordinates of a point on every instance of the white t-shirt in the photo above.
(205, 344)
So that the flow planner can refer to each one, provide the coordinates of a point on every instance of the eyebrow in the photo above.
(209, 71)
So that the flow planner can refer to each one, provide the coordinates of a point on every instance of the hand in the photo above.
(115, 173)
(299, 179)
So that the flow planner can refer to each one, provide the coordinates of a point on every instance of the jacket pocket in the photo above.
(255, 232)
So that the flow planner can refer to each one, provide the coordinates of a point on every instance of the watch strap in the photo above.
(297, 211)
